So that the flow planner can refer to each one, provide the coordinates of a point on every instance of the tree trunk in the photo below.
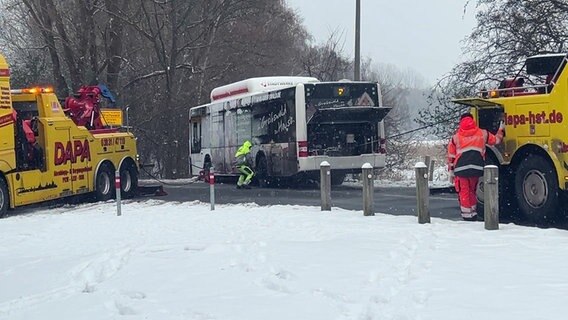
(76, 80)
(115, 43)
(45, 25)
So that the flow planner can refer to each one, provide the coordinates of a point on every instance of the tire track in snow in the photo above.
(6, 308)
(396, 300)
(252, 258)
(84, 279)
(95, 271)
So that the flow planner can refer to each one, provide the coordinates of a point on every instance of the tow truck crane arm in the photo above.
(84, 107)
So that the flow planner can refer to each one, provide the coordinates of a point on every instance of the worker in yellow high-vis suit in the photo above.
(243, 165)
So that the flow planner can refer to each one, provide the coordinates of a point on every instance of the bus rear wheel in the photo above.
(261, 172)
(536, 188)
(104, 188)
(337, 178)
(4, 198)
(207, 165)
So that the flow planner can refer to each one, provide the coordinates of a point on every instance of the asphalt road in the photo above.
(391, 200)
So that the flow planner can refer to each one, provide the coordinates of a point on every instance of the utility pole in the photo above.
(357, 40)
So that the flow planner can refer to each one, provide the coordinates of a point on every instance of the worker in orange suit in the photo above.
(466, 159)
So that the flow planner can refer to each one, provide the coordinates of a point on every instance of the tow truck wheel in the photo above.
(104, 188)
(504, 196)
(536, 188)
(128, 180)
(4, 199)
(479, 194)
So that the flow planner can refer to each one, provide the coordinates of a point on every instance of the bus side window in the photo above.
(260, 119)
(244, 125)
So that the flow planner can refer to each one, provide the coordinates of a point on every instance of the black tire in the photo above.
(261, 172)
(4, 198)
(479, 191)
(506, 195)
(207, 168)
(536, 189)
(128, 180)
(104, 184)
(479, 194)
(207, 164)
(337, 178)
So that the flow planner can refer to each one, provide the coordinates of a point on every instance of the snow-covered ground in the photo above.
(181, 261)
(406, 178)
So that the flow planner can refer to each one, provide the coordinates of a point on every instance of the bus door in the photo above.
(195, 153)
(231, 143)
(217, 129)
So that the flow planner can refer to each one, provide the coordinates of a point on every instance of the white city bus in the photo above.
(294, 123)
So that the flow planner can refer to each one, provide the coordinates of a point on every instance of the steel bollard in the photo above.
(368, 189)
(118, 195)
(212, 188)
(325, 186)
(422, 193)
(491, 197)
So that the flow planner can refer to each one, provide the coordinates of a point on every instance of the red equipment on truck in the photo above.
(85, 109)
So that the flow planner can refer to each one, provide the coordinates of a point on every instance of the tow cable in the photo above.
(422, 128)
(164, 182)
(203, 174)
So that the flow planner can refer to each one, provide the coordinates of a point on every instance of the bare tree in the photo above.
(162, 57)
(195, 46)
(327, 61)
(396, 85)
(507, 32)
(72, 33)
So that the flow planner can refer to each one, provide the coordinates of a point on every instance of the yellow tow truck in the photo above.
(50, 151)
(533, 158)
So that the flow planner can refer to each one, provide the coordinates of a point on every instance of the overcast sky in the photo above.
(423, 35)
